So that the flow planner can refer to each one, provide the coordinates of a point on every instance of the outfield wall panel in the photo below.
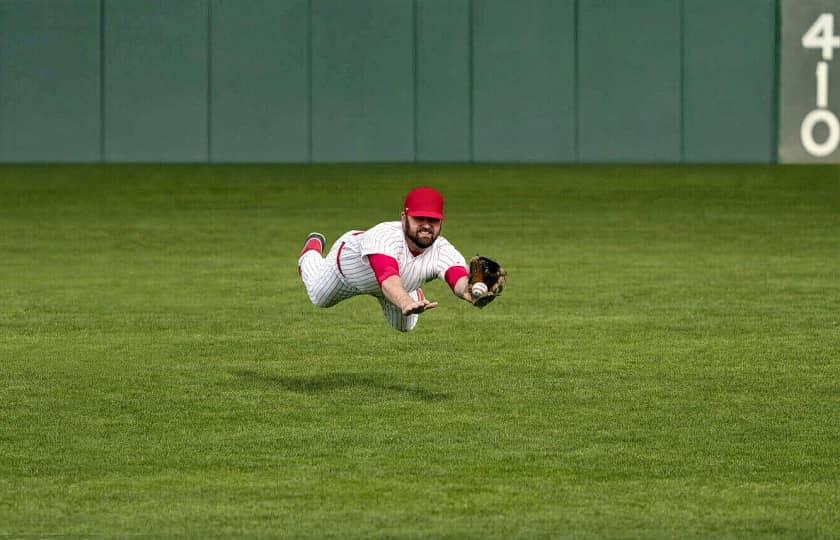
(728, 80)
(523, 80)
(809, 82)
(259, 103)
(629, 93)
(156, 71)
(50, 80)
(362, 80)
(443, 80)
(408, 80)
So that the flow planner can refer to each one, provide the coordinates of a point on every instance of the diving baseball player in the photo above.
(389, 261)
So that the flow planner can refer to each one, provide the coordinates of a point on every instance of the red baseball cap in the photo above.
(424, 202)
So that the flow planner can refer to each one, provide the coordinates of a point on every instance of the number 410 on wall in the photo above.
(821, 36)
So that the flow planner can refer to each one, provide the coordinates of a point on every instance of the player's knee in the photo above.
(406, 325)
(319, 300)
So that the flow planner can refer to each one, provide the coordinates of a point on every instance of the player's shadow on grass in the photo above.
(332, 382)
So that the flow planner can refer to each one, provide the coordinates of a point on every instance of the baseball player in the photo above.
(389, 261)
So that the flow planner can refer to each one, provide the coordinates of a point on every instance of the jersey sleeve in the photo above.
(454, 273)
(383, 266)
(448, 258)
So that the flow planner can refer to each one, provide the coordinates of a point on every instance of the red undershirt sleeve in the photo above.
(453, 274)
(383, 266)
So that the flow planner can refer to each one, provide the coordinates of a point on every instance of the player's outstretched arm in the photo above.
(462, 289)
(394, 291)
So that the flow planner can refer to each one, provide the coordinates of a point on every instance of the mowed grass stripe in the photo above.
(663, 363)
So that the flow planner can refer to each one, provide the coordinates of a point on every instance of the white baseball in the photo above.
(478, 289)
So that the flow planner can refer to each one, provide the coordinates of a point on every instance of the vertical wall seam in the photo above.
(102, 85)
(682, 80)
(3, 156)
(776, 93)
(415, 81)
(309, 106)
(471, 83)
(209, 90)
(576, 77)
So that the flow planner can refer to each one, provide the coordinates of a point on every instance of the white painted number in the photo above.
(806, 132)
(822, 85)
(821, 36)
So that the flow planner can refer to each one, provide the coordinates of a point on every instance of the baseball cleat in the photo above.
(315, 241)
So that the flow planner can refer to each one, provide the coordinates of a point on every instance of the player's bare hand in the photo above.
(418, 306)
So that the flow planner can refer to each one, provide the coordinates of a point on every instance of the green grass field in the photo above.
(665, 361)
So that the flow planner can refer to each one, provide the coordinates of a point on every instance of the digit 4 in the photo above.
(821, 36)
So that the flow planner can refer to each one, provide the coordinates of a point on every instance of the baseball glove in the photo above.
(489, 272)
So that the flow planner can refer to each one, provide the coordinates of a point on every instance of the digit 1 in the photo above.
(822, 85)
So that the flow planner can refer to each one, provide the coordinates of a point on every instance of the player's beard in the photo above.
(421, 241)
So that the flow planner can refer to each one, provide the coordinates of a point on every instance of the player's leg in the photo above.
(394, 316)
(320, 275)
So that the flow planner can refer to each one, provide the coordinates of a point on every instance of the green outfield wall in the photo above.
(389, 80)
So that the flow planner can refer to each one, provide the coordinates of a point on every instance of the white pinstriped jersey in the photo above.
(388, 238)
(345, 271)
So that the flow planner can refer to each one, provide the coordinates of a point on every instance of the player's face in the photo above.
(423, 231)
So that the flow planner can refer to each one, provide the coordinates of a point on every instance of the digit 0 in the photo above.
(806, 132)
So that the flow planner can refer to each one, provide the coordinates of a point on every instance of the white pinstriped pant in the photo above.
(326, 287)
